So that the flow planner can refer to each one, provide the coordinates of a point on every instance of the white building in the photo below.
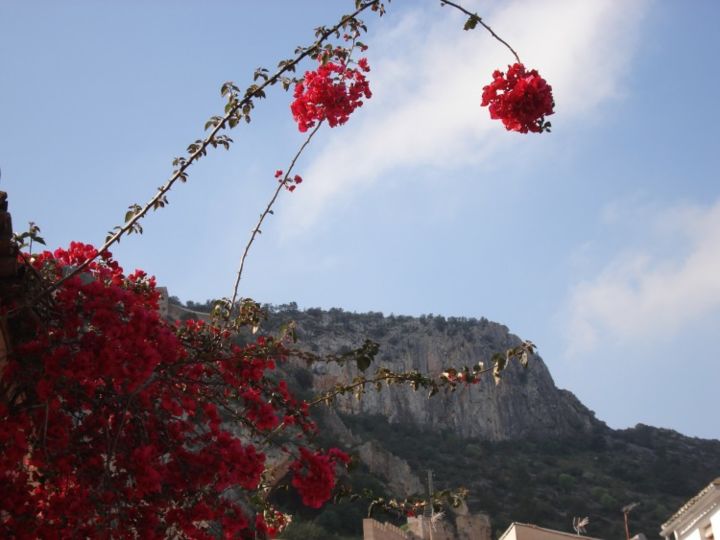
(697, 519)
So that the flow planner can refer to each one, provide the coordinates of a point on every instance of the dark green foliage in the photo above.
(203, 307)
(188, 317)
(566, 482)
(307, 530)
(549, 481)
(341, 520)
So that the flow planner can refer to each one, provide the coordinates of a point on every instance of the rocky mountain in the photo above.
(526, 404)
(526, 450)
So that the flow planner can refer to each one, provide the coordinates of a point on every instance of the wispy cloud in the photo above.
(652, 293)
(427, 79)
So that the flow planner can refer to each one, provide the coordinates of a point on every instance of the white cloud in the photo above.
(427, 79)
(643, 296)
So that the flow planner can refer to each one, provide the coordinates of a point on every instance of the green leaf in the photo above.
(363, 362)
(471, 23)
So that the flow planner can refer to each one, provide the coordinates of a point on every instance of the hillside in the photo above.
(526, 450)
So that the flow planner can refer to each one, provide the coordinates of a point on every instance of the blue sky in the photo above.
(599, 241)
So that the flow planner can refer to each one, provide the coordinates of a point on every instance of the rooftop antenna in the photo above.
(579, 524)
(429, 514)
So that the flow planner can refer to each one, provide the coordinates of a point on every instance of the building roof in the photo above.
(552, 531)
(715, 484)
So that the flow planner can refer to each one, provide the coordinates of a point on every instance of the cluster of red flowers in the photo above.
(522, 99)
(332, 92)
(115, 423)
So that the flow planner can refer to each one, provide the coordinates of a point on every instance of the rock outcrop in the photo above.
(396, 472)
(527, 403)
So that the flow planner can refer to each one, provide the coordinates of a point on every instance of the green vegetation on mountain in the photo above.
(549, 481)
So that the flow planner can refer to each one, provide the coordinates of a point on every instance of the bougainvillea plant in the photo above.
(115, 423)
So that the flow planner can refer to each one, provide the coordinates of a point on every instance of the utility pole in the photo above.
(428, 511)
(626, 514)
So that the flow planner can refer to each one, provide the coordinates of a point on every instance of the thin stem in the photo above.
(477, 17)
(399, 377)
(202, 148)
(45, 430)
(28, 264)
(116, 439)
(283, 183)
(268, 210)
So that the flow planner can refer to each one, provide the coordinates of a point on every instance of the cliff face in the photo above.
(526, 403)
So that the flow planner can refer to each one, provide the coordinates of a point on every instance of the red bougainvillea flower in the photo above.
(290, 183)
(522, 99)
(332, 92)
(314, 475)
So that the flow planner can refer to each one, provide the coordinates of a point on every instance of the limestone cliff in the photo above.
(526, 403)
